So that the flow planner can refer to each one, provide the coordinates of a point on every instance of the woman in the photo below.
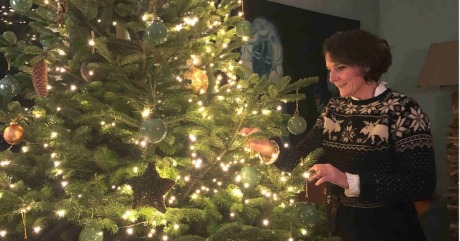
(378, 156)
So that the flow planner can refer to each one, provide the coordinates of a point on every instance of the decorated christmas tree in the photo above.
(121, 121)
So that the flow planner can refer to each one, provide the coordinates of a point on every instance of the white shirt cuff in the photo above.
(353, 185)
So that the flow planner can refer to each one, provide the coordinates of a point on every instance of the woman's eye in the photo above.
(336, 68)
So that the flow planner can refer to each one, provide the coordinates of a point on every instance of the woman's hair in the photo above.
(360, 48)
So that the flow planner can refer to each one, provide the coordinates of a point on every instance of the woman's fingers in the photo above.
(328, 173)
(263, 146)
(322, 173)
(320, 181)
(248, 131)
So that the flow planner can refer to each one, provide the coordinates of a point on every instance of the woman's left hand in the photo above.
(328, 173)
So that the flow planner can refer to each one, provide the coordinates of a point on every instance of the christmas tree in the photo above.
(121, 121)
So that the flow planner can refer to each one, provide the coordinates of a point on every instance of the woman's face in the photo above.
(349, 79)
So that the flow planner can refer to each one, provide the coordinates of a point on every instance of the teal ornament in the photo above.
(91, 234)
(250, 175)
(297, 124)
(308, 214)
(21, 5)
(9, 86)
(154, 130)
(244, 28)
(156, 33)
(46, 40)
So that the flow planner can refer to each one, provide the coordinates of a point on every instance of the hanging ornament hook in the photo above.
(153, 6)
(91, 42)
(297, 99)
(23, 216)
(306, 192)
(8, 61)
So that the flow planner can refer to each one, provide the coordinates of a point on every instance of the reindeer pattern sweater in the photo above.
(386, 140)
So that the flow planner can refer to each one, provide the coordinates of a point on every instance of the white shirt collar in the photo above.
(379, 90)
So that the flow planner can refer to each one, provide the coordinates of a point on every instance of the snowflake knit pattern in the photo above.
(386, 140)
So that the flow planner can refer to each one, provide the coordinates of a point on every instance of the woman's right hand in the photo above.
(263, 146)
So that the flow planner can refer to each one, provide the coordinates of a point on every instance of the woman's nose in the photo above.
(332, 76)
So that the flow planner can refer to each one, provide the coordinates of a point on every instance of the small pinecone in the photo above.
(40, 78)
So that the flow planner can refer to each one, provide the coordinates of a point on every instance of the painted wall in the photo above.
(410, 27)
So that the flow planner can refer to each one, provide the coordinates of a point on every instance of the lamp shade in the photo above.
(441, 65)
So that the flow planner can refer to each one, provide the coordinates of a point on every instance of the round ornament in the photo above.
(21, 5)
(156, 33)
(46, 40)
(13, 134)
(297, 124)
(154, 130)
(91, 234)
(90, 74)
(250, 175)
(199, 79)
(9, 86)
(244, 28)
(308, 214)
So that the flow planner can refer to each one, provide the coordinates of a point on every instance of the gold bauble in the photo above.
(199, 79)
(13, 134)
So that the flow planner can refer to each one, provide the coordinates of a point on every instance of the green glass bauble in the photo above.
(297, 124)
(21, 5)
(156, 33)
(154, 130)
(46, 40)
(244, 28)
(250, 175)
(308, 214)
(90, 75)
(91, 234)
(9, 86)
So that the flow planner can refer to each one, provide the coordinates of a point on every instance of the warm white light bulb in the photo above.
(146, 112)
(60, 213)
(303, 231)
(265, 222)
(4, 163)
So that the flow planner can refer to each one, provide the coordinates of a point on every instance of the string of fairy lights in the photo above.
(130, 215)
(7, 16)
